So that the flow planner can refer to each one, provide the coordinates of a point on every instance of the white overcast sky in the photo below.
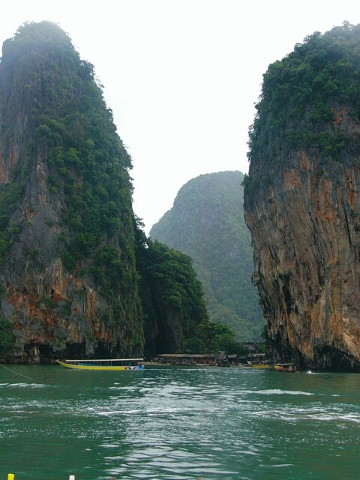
(181, 76)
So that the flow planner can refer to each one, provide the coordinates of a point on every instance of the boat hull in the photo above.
(101, 367)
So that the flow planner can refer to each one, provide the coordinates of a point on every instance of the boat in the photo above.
(259, 365)
(256, 364)
(104, 364)
(285, 367)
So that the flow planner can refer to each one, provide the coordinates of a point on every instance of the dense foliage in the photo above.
(212, 337)
(301, 97)
(175, 291)
(179, 286)
(207, 223)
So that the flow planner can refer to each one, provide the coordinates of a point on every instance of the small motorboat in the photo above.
(104, 364)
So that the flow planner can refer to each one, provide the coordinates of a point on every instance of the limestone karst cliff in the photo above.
(302, 202)
(69, 282)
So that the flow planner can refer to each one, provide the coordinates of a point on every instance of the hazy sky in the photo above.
(181, 76)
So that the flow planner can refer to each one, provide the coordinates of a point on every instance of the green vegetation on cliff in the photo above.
(207, 223)
(172, 297)
(302, 98)
(68, 238)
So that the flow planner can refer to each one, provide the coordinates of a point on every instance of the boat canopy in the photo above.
(108, 360)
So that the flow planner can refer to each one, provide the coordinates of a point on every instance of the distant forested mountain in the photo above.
(207, 223)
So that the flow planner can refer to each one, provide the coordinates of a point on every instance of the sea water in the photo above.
(178, 424)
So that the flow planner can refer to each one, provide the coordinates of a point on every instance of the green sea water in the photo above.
(178, 424)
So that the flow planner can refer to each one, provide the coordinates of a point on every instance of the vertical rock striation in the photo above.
(302, 202)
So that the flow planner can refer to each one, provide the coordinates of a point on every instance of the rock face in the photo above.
(207, 223)
(302, 201)
(56, 179)
(69, 284)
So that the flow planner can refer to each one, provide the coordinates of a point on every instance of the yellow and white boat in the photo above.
(104, 364)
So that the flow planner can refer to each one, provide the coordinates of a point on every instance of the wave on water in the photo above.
(331, 417)
(23, 385)
(277, 391)
(149, 411)
(110, 413)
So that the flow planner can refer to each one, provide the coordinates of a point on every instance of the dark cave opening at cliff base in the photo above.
(334, 360)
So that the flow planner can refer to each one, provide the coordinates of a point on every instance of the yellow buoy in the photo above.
(11, 476)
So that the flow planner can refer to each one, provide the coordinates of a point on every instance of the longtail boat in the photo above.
(104, 364)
